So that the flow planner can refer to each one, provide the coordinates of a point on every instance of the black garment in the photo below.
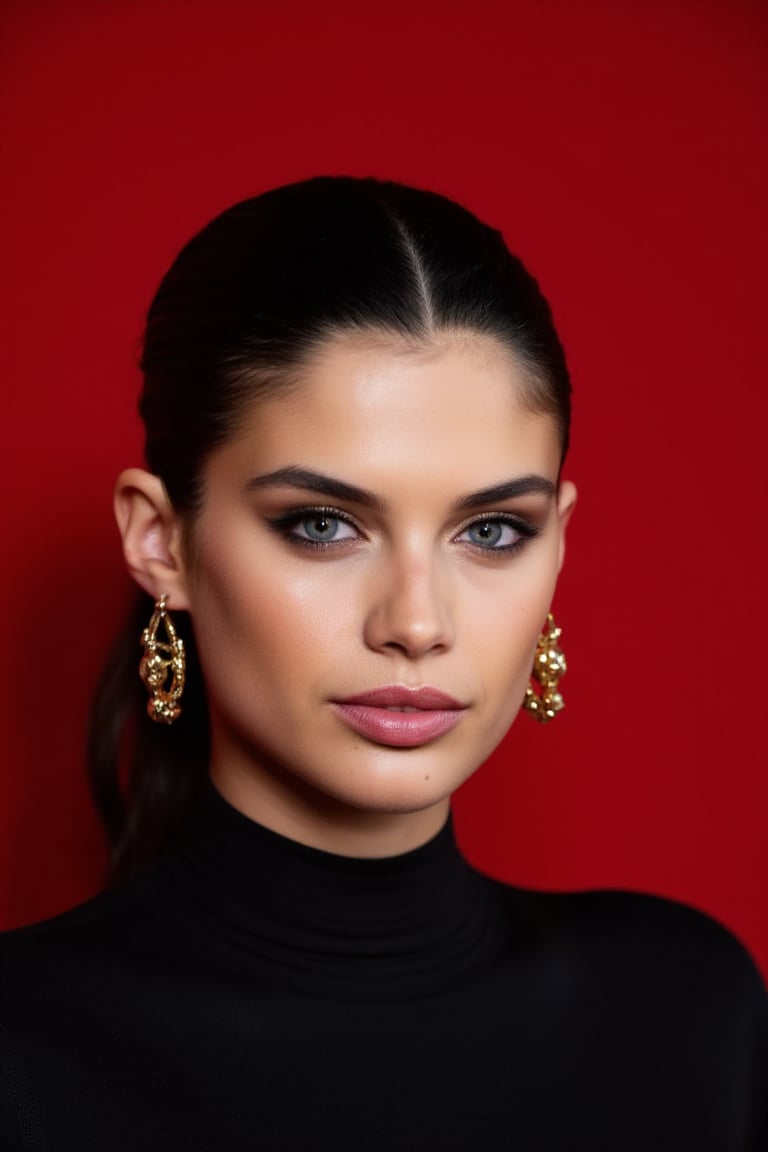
(251, 993)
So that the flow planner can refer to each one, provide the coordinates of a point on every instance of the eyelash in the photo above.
(284, 524)
(524, 528)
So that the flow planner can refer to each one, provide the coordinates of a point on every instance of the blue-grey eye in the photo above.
(322, 529)
(491, 534)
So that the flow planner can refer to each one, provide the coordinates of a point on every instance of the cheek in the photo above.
(279, 621)
(501, 624)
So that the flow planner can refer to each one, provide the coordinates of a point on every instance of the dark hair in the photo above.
(238, 315)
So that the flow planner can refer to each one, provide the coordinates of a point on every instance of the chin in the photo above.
(411, 784)
(400, 803)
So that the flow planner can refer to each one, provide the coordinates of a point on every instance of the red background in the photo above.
(621, 147)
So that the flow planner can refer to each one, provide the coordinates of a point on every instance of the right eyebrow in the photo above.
(294, 477)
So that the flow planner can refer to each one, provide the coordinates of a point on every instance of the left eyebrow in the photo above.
(530, 485)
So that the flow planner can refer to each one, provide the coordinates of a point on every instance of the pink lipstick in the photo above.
(400, 717)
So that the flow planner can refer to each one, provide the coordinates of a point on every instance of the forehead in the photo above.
(385, 408)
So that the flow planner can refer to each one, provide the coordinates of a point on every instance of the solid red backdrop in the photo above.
(621, 149)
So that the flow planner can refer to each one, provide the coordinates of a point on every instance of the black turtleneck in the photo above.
(248, 992)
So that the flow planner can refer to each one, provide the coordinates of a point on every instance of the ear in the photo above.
(152, 536)
(566, 502)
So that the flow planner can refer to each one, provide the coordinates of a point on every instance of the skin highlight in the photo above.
(301, 597)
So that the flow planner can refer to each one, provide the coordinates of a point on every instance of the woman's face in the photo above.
(391, 526)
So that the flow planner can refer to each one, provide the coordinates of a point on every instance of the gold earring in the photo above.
(161, 659)
(548, 666)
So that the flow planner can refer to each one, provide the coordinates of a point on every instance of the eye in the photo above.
(497, 533)
(323, 528)
(315, 527)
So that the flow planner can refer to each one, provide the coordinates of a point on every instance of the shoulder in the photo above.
(662, 955)
(654, 929)
(48, 973)
(53, 951)
(661, 985)
(648, 928)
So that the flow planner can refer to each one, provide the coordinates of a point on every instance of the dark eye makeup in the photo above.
(499, 532)
(321, 529)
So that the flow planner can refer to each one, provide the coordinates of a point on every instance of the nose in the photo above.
(409, 611)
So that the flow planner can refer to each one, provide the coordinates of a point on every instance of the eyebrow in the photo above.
(530, 485)
(295, 477)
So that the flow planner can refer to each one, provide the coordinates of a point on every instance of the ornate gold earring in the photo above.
(548, 666)
(161, 659)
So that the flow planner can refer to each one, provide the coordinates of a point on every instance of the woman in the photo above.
(356, 410)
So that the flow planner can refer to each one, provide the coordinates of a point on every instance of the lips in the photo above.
(400, 717)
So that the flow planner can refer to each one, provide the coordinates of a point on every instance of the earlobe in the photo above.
(151, 535)
(566, 502)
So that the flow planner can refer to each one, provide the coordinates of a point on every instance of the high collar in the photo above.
(358, 928)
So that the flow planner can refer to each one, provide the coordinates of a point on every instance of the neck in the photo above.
(291, 807)
(357, 929)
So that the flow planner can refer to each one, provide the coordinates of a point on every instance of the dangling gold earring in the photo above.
(548, 666)
(161, 659)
